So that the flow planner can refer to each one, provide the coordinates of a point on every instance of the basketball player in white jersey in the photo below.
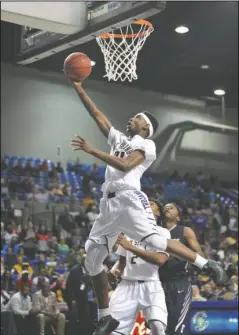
(124, 207)
(140, 287)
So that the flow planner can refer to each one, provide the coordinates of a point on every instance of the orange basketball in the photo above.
(77, 66)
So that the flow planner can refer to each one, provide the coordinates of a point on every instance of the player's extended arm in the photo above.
(123, 164)
(192, 241)
(156, 258)
(101, 120)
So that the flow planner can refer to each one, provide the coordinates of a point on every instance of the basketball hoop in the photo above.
(121, 50)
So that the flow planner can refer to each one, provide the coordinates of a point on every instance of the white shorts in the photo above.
(128, 212)
(131, 297)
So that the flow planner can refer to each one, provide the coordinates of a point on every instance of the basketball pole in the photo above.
(223, 108)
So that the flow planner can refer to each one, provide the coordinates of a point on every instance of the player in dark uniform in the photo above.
(174, 274)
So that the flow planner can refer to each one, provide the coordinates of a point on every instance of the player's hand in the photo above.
(78, 143)
(123, 242)
(75, 83)
(113, 278)
(34, 312)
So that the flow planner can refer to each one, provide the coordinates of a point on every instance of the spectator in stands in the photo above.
(10, 234)
(7, 283)
(27, 184)
(10, 258)
(20, 267)
(41, 264)
(53, 174)
(58, 287)
(42, 237)
(63, 248)
(2, 266)
(18, 169)
(42, 277)
(66, 189)
(52, 242)
(87, 201)
(92, 213)
(70, 259)
(5, 297)
(3, 164)
(28, 168)
(59, 168)
(231, 291)
(233, 220)
(39, 195)
(56, 190)
(93, 172)
(20, 305)
(75, 167)
(23, 278)
(44, 166)
(65, 222)
(45, 301)
(207, 292)
(29, 238)
(51, 262)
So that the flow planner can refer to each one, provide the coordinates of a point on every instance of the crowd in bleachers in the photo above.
(35, 253)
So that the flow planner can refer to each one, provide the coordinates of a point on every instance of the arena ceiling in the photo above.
(170, 62)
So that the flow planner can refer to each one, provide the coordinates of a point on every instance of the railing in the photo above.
(41, 213)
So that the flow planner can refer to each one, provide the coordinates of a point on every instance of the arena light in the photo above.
(92, 63)
(219, 92)
(204, 67)
(182, 30)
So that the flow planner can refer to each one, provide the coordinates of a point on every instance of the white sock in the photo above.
(103, 312)
(200, 261)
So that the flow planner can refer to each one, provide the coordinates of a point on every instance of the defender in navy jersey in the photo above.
(174, 274)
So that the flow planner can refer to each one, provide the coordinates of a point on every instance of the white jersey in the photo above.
(122, 146)
(136, 268)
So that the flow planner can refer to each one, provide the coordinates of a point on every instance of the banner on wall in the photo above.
(209, 317)
(139, 328)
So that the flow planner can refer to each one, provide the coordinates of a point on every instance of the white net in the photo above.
(121, 50)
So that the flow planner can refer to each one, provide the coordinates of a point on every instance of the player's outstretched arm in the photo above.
(101, 120)
(155, 258)
(122, 164)
(192, 241)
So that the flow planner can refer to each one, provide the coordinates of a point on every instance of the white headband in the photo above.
(151, 129)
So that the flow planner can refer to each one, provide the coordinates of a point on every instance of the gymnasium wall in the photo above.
(40, 111)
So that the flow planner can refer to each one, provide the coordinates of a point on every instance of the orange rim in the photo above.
(139, 22)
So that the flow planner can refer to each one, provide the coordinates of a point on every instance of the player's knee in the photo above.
(156, 241)
(157, 327)
(95, 255)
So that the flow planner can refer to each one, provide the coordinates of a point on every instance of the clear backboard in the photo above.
(103, 16)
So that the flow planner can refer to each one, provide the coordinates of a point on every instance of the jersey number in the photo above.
(120, 154)
(133, 259)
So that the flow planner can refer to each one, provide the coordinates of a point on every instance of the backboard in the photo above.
(103, 16)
